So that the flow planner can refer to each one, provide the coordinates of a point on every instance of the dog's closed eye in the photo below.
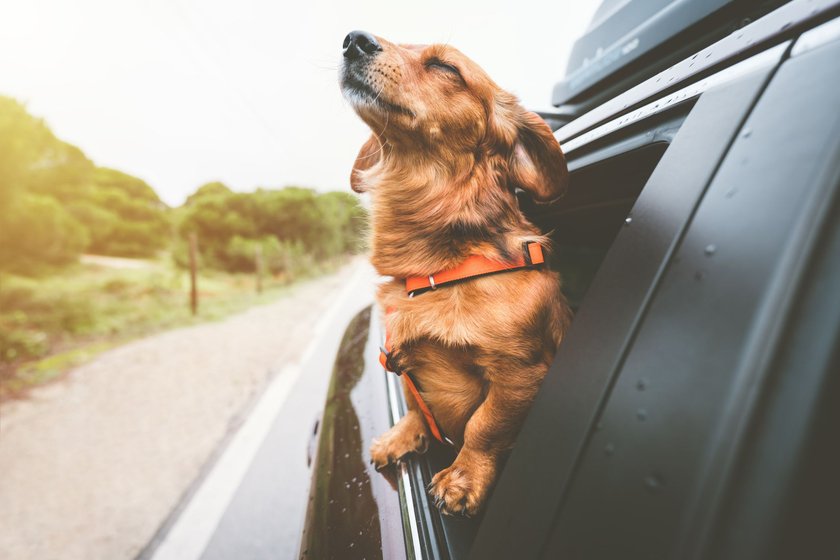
(437, 64)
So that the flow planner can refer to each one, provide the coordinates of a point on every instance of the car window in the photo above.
(604, 186)
(599, 203)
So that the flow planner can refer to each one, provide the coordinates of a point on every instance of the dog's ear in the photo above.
(537, 164)
(368, 157)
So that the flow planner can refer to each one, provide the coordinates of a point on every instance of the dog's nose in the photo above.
(360, 43)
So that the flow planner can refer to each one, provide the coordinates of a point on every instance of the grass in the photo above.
(51, 324)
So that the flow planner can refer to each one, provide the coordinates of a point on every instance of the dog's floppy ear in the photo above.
(537, 164)
(368, 156)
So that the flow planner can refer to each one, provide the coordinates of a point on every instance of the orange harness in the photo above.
(472, 267)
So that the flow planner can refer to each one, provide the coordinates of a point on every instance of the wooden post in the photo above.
(193, 274)
(258, 265)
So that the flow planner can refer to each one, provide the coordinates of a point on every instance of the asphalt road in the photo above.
(250, 500)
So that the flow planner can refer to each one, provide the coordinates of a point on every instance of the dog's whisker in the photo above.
(385, 127)
(387, 118)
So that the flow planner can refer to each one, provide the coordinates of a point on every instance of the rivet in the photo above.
(653, 482)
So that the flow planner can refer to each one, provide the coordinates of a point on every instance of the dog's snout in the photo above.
(360, 43)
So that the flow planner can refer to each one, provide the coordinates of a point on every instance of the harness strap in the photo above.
(384, 354)
(477, 265)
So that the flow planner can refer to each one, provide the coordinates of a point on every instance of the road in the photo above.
(113, 461)
(251, 502)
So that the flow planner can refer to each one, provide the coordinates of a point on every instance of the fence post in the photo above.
(193, 274)
(258, 265)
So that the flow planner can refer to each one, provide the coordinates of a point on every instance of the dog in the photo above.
(447, 152)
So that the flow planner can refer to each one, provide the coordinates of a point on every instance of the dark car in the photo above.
(693, 408)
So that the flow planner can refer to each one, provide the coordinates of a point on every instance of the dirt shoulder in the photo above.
(90, 465)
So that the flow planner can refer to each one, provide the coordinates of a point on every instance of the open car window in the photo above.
(606, 181)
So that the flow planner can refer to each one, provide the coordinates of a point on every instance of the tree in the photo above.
(24, 141)
(303, 225)
(138, 226)
(97, 209)
(215, 188)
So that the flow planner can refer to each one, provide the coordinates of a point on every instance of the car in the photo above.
(691, 409)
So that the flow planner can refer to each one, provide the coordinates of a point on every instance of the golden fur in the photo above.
(447, 151)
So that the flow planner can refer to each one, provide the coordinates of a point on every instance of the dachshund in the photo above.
(447, 153)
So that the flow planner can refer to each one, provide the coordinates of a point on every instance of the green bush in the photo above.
(38, 234)
(296, 227)
(30, 309)
(27, 302)
(240, 253)
(21, 344)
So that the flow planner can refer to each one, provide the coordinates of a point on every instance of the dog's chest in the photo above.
(446, 315)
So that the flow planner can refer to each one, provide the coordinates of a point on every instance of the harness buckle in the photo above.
(527, 253)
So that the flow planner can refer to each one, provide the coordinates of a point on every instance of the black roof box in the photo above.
(635, 38)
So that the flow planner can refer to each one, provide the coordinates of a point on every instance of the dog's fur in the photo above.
(447, 151)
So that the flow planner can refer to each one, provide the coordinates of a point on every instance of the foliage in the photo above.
(208, 190)
(38, 234)
(139, 224)
(293, 227)
(55, 203)
(53, 321)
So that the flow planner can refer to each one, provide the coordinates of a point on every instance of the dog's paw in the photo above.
(458, 491)
(396, 361)
(396, 444)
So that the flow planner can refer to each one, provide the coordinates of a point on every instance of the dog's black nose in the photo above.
(360, 43)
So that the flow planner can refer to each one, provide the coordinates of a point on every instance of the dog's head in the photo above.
(434, 99)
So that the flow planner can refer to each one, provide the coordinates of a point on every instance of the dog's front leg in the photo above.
(463, 487)
(409, 435)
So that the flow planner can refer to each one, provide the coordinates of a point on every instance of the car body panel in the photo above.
(790, 441)
(353, 510)
(671, 415)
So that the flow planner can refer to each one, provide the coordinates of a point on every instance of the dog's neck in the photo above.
(428, 216)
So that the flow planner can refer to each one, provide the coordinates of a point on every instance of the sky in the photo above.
(184, 92)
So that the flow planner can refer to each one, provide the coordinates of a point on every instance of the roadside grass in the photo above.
(51, 324)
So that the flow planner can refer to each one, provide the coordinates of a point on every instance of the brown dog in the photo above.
(448, 149)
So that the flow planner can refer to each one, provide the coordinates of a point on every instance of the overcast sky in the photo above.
(182, 92)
